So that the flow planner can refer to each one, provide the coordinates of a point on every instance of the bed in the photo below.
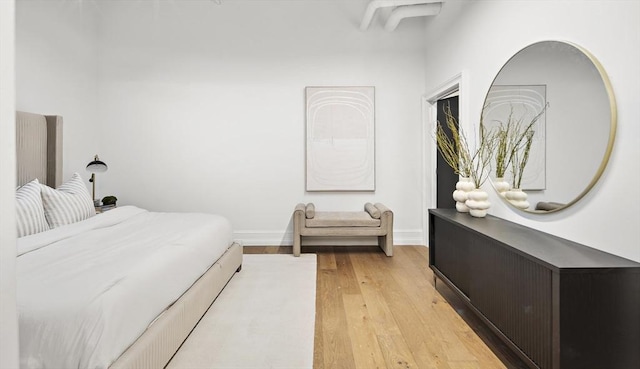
(81, 302)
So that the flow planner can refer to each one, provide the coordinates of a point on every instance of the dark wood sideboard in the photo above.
(556, 303)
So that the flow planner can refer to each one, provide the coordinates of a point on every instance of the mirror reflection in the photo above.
(553, 113)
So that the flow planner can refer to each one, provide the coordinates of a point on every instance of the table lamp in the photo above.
(96, 166)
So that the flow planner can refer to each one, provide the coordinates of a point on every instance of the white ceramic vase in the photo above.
(501, 186)
(463, 187)
(478, 203)
(517, 198)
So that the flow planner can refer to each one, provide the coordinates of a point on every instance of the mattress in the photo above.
(88, 290)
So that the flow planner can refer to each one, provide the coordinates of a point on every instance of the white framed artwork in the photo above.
(340, 138)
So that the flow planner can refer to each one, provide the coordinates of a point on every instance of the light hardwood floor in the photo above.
(374, 311)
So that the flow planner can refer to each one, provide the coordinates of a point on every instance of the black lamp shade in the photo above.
(97, 166)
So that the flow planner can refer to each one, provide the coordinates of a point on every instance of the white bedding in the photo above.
(86, 291)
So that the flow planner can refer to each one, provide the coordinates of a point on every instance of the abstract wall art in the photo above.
(340, 139)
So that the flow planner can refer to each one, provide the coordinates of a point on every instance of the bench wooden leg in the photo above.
(386, 244)
(296, 244)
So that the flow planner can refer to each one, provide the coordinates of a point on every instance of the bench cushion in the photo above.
(310, 210)
(372, 210)
(325, 219)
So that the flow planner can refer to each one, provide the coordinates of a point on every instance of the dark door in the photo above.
(446, 178)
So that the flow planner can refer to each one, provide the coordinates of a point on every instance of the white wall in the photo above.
(8, 313)
(202, 107)
(480, 36)
(57, 72)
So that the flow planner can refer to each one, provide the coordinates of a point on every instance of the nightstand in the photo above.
(103, 208)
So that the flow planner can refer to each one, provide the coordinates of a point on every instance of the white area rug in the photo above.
(264, 318)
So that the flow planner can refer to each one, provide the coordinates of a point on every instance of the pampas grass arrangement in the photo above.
(509, 146)
(481, 158)
(520, 140)
(503, 151)
(456, 151)
(520, 159)
(513, 139)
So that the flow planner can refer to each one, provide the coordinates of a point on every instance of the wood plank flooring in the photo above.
(374, 311)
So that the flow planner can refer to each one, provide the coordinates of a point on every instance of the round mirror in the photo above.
(552, 117)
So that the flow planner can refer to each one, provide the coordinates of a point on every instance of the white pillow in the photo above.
(67, 204)
(30, 217)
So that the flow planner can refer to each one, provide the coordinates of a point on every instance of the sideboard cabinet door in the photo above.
(453, 260)
(599, 318)
(515, 295)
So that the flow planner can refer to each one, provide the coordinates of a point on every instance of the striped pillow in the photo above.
(67, 204)
(30, 217)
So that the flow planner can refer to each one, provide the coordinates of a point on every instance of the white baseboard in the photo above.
(267, 238)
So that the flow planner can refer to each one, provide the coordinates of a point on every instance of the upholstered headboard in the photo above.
(39, 148)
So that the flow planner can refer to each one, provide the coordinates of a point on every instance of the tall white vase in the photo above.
(501, 186)
(517, 198)
(478, 203)
(463, 187)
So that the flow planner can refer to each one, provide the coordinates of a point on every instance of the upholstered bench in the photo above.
(375, 220)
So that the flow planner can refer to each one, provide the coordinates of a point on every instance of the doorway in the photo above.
(456, 86)
(446, 178)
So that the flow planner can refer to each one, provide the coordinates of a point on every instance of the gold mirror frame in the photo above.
(612, 128)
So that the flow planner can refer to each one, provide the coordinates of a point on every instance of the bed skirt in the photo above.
(157, 345)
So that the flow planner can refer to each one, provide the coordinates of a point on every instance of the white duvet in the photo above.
(86, 291)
